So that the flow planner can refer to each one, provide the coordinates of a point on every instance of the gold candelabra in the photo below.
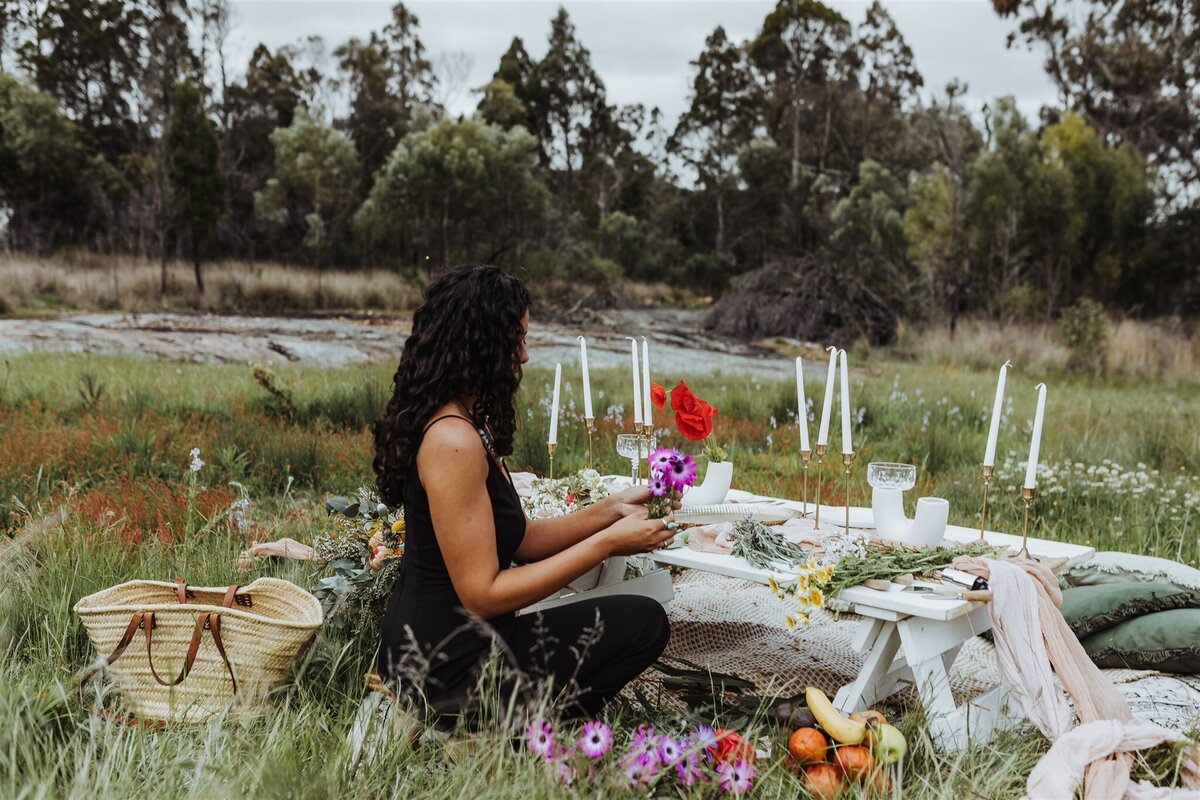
(805, 458)
(591, 430)
(986, 470)
(821, 450)
(550, 448)
(1027, 493)
(848, 464)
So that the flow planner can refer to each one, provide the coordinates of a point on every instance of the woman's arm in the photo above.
(453, 468)
(546, 537)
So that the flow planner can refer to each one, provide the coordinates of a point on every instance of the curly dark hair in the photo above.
(466, 336)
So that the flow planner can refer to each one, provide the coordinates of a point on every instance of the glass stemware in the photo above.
(637, 449)
(889, 475)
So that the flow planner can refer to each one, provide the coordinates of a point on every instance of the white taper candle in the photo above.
(802, 403)
(587, 381)
(553, 438)
(637, 388)
(1035, 443)
(647, 406)
(847, 444)
(989, 452)
(827, 406)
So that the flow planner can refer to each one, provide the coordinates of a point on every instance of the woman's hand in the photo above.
(636, 534)
(632, 500)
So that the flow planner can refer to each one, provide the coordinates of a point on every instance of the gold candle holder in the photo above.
(550, 448)
(591, 430)
(820, 451)
(848, 464)
(1027, 494)
(805, 458)
(986, 470)
(640, 429)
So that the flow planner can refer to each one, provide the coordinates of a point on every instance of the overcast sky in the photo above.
(642, 50)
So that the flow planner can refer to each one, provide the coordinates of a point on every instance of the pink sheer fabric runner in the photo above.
(1033, 643)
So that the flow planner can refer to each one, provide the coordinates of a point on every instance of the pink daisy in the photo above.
(667, 750)
(641, 768)
(659, 459)
(642, 739)
(703, 738)
(595, 740)
(736, 778)
(565, 773)
(688, 768)
(681, 472)
(658, 486)
(540, 738)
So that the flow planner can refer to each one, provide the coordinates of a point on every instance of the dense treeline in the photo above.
(124, 130)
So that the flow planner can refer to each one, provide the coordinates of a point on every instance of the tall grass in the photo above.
(117, 464)
(83, 281)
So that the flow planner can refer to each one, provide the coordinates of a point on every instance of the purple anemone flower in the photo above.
(736, 778)
(658, 485)
(595, 740)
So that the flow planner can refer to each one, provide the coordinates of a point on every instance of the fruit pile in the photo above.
(832, 750)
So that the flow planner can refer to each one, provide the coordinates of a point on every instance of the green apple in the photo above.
(887, 743)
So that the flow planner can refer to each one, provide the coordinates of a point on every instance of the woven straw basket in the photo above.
(240, 642)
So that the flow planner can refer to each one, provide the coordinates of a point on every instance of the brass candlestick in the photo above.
(821, 450)
(550, 448)
(640, 429)
(848, 464)
(1027, 493)
(805, 458)
(591, 429)
(987, 470)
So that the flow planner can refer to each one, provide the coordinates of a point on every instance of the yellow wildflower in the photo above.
(791, 622)
(398, 525)
(774, 586)
(801, 618)
(815, 598)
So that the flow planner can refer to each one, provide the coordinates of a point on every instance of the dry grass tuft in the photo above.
(1166, 349)
(81, 280)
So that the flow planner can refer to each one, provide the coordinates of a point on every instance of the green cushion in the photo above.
(1090, 609)
(1168, 641)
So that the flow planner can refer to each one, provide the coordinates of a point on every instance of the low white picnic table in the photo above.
(906, 636)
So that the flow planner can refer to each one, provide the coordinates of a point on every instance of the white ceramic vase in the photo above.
(927, 530)
(718, 477)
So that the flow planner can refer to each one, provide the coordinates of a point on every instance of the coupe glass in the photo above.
(889, 475)
(636, 448)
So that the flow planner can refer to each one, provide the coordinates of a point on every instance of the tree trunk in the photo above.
(796, 142)
(720, 220)
(162, 253)
(196, 265)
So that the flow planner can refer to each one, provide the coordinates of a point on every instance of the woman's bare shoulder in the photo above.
(451, 441)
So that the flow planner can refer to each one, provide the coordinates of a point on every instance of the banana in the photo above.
(832, 721)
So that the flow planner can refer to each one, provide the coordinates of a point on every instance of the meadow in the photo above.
(101, 446)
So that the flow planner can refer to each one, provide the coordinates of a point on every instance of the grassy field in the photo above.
(107, 441)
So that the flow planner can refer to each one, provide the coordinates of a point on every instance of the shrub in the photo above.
(1082, 327)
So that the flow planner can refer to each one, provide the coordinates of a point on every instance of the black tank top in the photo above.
(426, 637)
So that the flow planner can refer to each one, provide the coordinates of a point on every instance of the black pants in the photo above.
(586, 652)
(578, 657)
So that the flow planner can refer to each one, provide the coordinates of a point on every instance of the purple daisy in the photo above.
(565, 773)
(642, 739)
(667, 750)
(688, 767)
(641, 768)
(659, 459)
(681, 472)
(595, 740)
(703, 738)
(539, 736)
(736, 778)
(658, 485)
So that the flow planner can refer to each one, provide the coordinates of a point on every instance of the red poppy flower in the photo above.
(658, 395)
(693, 416)
(730, 747)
